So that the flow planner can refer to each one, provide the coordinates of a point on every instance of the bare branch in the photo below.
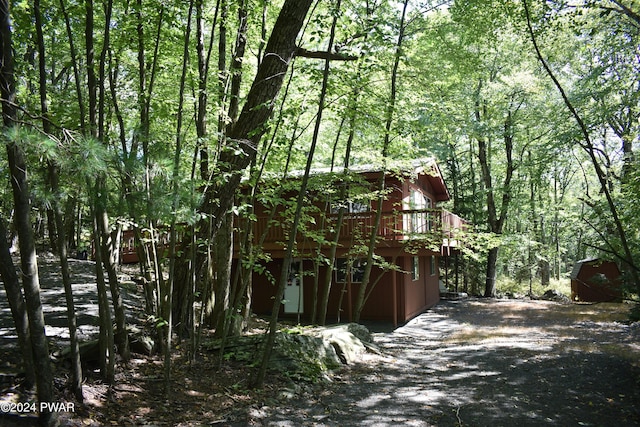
(324, 55)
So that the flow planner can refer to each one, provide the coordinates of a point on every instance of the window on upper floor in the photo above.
(350, 207)
(420, 222)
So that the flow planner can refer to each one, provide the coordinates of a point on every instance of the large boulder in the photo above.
(347, 340)
(303, 353)
(554, 295)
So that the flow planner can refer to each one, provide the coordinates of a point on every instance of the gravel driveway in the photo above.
(485, 363)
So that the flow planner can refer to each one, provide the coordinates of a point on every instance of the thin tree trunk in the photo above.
(224, 239)
(495, 218)
(168, 298)
(120, 336)
(236, 64)
(328, 278)
(76, 365)
(76, 71)
(144, 105)
(107, 357)
(106, 340)
(201, 113)
(61, 243)
(360, 296)
(20, 189)
(108, 255)
(587, 145)
(17, 306)
(288, 258)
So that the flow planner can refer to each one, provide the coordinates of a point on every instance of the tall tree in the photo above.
(15, 298)
(21, 197)
(167, 297)
(588, 145)
(389, 119)
(61, 243)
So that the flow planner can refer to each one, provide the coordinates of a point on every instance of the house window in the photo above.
(432, 267)
(350, 207)
(415, 268)
(420, 221)
(352, 269)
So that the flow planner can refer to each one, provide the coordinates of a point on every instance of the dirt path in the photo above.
(487, 363)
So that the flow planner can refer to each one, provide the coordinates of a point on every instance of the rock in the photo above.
(303, 356)
(303, 353)
(514, 295)
(89, 353)
(141, 344)
(453, 295)
(361, 332)
(347, 345)
(553, 295)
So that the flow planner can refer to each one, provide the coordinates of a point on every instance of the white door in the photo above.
(293, 293)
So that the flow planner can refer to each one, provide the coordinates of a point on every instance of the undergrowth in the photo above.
(506, 285)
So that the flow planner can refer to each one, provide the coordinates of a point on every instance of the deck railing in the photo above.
(399, 225)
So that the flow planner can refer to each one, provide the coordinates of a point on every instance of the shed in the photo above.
(596, 280)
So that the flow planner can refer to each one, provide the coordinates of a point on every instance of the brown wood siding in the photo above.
(412, 299)
(421, 294)
(597, 281)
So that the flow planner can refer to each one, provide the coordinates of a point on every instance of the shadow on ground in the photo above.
(488, 363)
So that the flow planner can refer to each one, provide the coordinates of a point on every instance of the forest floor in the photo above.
(471, 362)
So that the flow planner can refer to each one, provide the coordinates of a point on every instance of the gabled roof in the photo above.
(575, 271)
(415, 168)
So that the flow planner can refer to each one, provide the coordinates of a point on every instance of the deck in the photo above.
(397, 228)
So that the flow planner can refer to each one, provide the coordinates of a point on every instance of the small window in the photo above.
(355, 268)
(350, 207)
(432, 267)
(415, 268)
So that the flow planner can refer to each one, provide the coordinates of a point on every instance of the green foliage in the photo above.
(506, 285)
(157, 322)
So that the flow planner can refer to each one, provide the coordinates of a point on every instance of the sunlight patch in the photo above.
(373, 400)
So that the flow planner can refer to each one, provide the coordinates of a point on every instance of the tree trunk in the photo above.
(592, 151)
(328, 278)
(107, 356)
(59, 238)
(121, 338)
(223, 257)
(255, 113)
(236, 64)
(52, 231)
(249, 128)
(490, 284)
(17, 306)
(30, 279)
(495, 217)
(362, 291)
(167, 299)
(20, 188)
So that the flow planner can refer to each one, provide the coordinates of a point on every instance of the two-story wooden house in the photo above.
(413, 233)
